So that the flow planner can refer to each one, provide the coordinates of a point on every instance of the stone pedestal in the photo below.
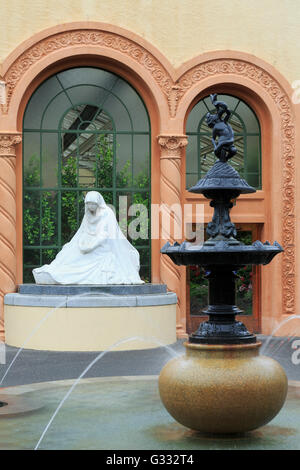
(223, 388)
(90, 317)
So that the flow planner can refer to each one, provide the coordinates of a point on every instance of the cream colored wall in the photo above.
(180, 29)
(90, 329)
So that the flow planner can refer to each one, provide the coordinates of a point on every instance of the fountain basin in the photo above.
(126, 413)
(223, 388)
(221, 253)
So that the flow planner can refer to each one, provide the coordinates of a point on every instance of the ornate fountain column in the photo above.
(222, 385)
(8, 262)
(172, 147)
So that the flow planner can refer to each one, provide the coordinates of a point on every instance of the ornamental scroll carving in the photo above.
(91, 38)
(8, 143)
(171, 146)
(174, 92)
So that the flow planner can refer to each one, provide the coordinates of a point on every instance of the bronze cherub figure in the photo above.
(222, 131)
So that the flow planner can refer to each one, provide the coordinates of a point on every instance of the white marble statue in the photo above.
(98, 253)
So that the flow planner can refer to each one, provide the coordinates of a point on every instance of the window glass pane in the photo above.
(87, 157)
(139, 219)
(69, 169)
(90, 75)
(132, 212)
(48, 218)
(254, 179)
(237, 124)
(104, 161)
(134, 105)
(120, 115)
(231, 102)
(141, 159)
(38, 103)
(207, 157)
(79, 117)
(108, 197)
(86, 94)
(28, 276)
(191, 179)
(54, 111)
(102, 121)
(31, 152)
(124, 161)
(48, 255)
(192, 155)
(244, 124)
(144, 256)
(238, 161)
(145, 273)
(31, 218)
(32, 257)
(198, 111)
(248, 116)
(49, 159)
(71, 120)
(253, 151)
(69, 215)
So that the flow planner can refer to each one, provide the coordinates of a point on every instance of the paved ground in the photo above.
(39, 366)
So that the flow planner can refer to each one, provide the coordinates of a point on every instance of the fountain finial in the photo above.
(222, 134)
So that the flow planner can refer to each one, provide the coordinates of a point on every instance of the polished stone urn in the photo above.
(223, 388)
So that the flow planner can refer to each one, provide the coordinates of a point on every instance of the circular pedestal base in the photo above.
(72, 318)
(223, 388)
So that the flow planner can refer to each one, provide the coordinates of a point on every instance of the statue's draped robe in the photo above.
(98, 253)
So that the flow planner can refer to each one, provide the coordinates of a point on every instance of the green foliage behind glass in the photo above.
(41, 215)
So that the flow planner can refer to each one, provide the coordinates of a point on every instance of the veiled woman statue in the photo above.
(98, 253)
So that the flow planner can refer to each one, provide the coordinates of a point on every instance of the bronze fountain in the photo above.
(222, 384)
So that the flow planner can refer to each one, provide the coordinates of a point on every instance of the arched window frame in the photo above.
(143, 246)
(244, 134)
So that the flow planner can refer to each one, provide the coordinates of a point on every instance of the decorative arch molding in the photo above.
(173, 90)
(98, 39)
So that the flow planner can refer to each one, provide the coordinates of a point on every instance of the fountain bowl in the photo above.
(230, 253)
(223, 388)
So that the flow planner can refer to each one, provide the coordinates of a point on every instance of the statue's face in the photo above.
(211, 119)
(92, 206)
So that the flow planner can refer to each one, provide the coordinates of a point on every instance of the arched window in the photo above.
(199, 154)
(84, 129)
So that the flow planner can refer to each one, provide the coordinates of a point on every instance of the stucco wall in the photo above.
(180, 29)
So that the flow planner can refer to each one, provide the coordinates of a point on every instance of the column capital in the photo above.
(8, 142)
(172, 145)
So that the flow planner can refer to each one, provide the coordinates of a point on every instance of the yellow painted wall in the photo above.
(180, 29)
(90, 328)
